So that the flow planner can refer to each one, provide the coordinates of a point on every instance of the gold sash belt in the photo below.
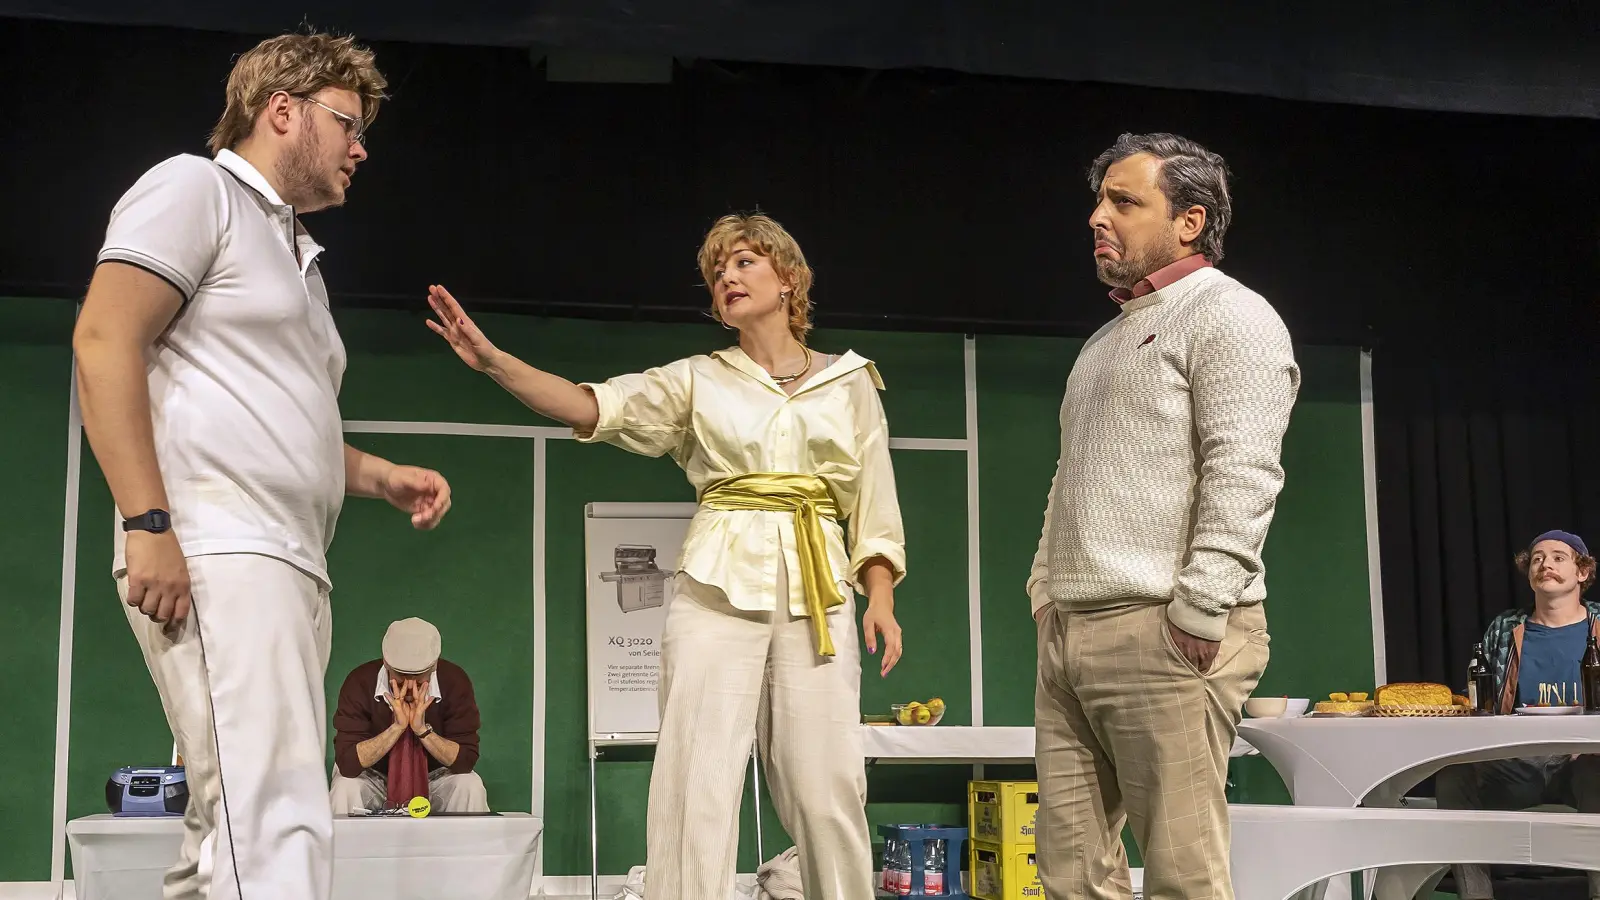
(810, 499)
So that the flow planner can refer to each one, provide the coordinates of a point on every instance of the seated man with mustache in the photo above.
(1535, 656)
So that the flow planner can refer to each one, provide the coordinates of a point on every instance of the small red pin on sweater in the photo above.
(1147, 340)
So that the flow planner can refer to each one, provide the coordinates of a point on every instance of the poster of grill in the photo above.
(631, 551)
(641, 584)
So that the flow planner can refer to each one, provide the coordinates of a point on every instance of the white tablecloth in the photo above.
(958, 744)
(1374, 761)
(1278, 849)
(947, 744)
(437, 858)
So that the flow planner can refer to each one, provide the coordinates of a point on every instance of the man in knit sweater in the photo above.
(1148, 583)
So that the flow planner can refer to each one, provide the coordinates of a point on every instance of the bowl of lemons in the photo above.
(917, 712)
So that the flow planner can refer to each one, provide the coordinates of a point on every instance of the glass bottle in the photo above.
(1480, 683)
(1591, 675)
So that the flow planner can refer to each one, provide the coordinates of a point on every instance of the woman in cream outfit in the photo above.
(783, 445)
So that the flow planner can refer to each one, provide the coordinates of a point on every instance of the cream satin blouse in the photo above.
(722, 415)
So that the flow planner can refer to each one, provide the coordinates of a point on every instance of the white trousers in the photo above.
(730, 677)
(447, 792)
(242, 686)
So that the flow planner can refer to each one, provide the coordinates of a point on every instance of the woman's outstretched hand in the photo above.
(548, 395)
(455, 326)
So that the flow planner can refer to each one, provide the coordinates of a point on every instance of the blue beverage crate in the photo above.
(917, 836)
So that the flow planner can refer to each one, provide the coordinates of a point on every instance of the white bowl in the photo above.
(1266, 707)
(1296, 708)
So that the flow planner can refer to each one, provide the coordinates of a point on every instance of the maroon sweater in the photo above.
(360, 715)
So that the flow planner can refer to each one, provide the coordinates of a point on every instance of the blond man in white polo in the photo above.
(208, 373)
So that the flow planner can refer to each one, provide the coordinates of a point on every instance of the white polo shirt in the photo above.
(244, 384)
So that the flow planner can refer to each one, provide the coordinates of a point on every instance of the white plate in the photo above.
(1549, 710)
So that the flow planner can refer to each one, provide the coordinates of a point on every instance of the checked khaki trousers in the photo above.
(1128, 731)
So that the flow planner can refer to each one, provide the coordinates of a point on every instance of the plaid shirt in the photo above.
(1502, 643)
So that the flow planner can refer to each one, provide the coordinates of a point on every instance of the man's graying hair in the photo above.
(1191, 175)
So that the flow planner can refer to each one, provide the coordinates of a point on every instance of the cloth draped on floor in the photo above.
(777, 879)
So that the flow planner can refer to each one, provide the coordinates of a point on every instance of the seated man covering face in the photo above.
(406, 726)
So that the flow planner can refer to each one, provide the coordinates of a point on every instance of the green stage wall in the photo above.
(476, 576)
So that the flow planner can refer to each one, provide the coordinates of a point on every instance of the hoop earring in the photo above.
(715, 317)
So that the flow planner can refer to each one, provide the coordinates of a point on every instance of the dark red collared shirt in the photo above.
(1162, 278)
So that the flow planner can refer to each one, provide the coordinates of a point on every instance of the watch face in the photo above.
(155, 521)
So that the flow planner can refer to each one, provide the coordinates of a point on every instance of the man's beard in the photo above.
(301, 173)
(1133, 267)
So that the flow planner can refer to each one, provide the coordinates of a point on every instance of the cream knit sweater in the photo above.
(1171, 430)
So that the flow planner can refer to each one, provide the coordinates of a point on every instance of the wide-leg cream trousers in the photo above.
(730, 677)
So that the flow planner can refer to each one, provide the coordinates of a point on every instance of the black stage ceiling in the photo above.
(1455, 55)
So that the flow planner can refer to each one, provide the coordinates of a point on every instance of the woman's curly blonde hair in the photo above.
(769, 239)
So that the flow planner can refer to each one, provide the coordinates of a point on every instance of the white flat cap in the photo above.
(411, 646)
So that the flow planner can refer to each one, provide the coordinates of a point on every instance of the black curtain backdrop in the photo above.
(1478, 453)
(925, 200)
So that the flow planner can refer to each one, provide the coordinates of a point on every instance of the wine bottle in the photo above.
(1480, 683)
(1591, 676)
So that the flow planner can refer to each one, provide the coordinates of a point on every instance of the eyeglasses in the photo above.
(352, 125)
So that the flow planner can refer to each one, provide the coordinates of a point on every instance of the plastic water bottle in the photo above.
(887, 880)
(933, 867)
(902, 869)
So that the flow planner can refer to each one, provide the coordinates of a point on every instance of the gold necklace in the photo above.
(785, 379)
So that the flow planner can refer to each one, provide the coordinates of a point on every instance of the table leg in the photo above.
(594, 830)
(1333, 889)
(1407, 882)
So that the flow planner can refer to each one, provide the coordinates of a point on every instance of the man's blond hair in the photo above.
(300, 65)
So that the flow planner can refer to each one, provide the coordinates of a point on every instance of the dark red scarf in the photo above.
(408, 770)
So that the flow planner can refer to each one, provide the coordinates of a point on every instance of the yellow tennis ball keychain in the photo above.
(418, 807)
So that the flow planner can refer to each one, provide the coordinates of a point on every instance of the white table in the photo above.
(953, 744)
(437, 858)
(1279, 850)
(958, 744)
(962, 745)
(1373, 761)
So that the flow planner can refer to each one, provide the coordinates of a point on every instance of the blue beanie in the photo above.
(1571, 540)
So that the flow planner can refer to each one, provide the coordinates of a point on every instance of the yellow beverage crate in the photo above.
(1003, 812)
(1004, 873)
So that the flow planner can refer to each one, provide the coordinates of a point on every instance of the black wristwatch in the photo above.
(156, 521)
